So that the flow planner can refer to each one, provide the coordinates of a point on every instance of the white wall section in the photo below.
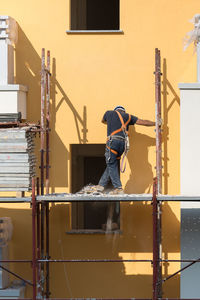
(12, 96)
(190, 185)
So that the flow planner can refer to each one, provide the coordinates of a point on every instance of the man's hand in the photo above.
(145, 122)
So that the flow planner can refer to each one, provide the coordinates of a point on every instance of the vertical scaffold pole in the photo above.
(47, 168)
(42, 120)
(47, 251)
(155, 242)
(38, 240)
(158, 121)
(34, 260)
(47, 119)
(157, 208)
(43, 79)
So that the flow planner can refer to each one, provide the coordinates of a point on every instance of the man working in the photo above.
(118, 122)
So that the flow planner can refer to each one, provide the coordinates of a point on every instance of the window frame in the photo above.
(86, 31)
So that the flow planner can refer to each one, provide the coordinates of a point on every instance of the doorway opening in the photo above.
(87, 166)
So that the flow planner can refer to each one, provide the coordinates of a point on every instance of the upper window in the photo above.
(95, 15)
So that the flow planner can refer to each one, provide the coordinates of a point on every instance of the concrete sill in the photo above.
(94, 31)
(189, 86)
(93, 231)
(14, 87)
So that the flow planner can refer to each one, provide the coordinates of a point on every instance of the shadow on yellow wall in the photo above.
(141, 176)
(28, 66)
(79, 121)
(60, 167)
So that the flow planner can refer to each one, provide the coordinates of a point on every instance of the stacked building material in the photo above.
(10, 117)
(17, 159)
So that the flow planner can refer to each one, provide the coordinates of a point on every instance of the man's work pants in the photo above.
(112, 159)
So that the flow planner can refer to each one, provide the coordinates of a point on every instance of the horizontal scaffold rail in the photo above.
(15, 199)
(97, 260)
(114, 198)
(111, 298)
(106, 198)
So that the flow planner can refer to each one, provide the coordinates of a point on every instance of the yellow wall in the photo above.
(94, 73)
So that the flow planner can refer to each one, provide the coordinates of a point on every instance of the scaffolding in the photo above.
(40, 202)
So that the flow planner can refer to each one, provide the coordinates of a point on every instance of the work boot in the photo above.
(97, 188)
(117, 191)
(91, 189)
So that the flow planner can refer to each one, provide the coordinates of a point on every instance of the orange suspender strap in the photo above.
(113, 151)
(116, 131)
(122, 120)
(123, 162)
(123, 127)
(128, 121)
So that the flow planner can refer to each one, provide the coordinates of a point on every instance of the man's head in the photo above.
(119, 107)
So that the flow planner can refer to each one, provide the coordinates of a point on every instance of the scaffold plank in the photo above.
(15, 199)
(89, 197)
(122, 198)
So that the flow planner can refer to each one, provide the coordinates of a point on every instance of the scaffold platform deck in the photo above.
(64, 197)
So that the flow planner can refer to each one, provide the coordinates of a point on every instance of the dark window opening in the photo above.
(87, 166)
(95, 14)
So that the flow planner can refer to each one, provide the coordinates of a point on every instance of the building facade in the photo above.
(101, 58)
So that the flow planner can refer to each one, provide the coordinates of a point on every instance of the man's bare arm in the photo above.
(145, 122)
(103, 121)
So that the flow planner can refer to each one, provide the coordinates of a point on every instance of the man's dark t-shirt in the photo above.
(113, 122)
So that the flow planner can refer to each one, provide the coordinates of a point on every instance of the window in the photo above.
(95, 15)
(87, 166)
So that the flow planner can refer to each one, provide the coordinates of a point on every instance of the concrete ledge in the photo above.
(93, 31)
(189, 86)
(13, 292)
(14, 87)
